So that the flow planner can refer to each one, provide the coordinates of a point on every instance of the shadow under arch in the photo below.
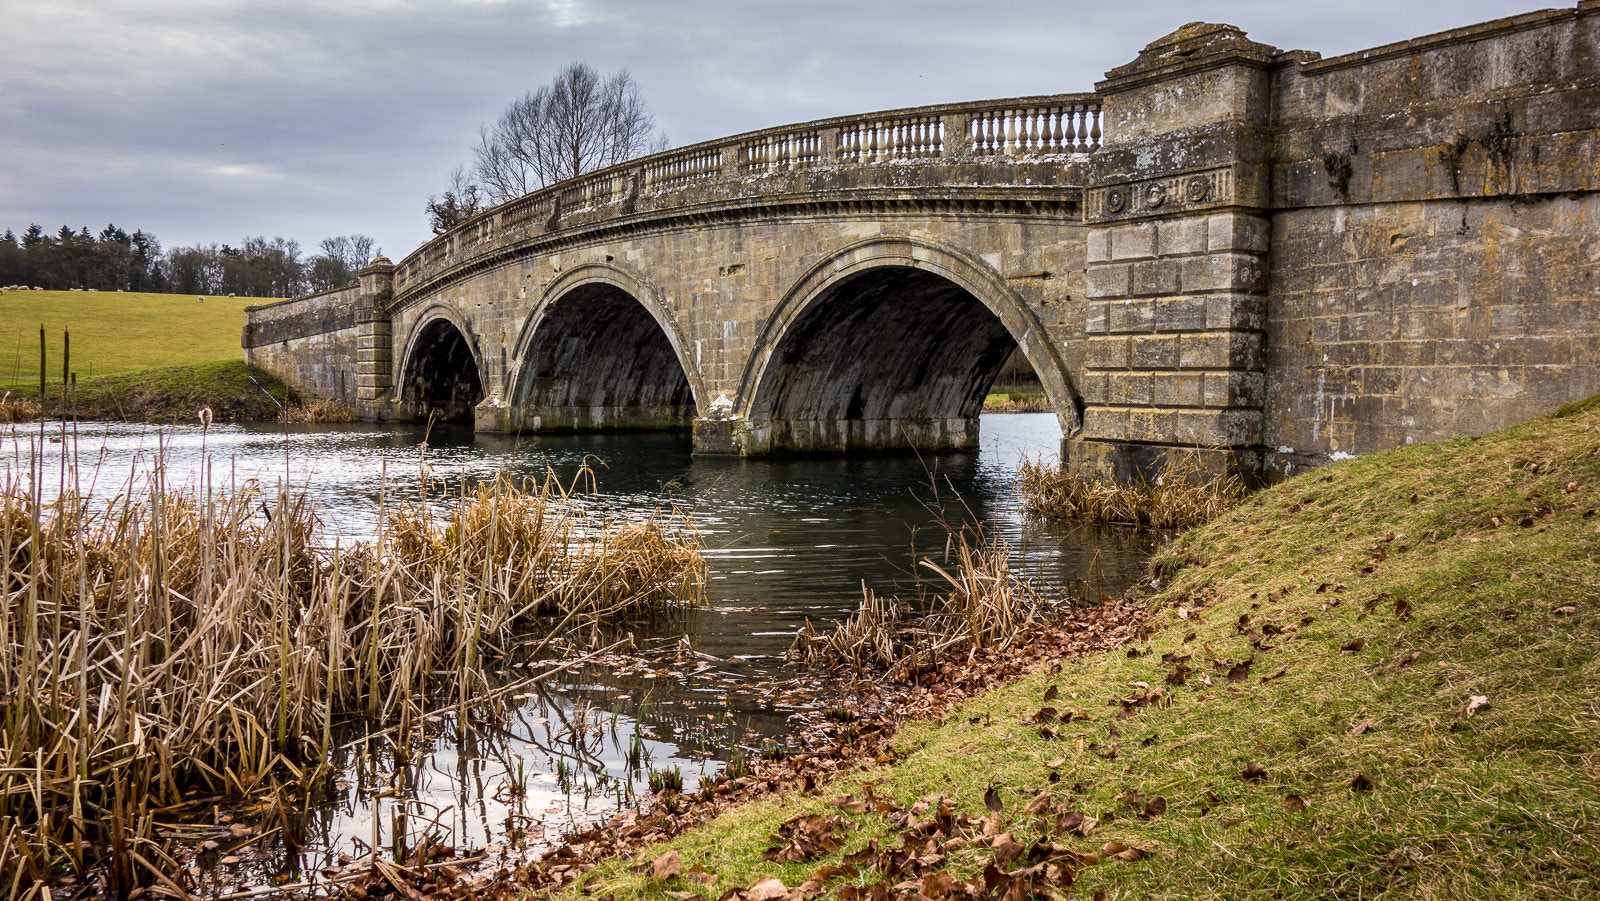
(441, 372)
(599, 353)
(891, 342)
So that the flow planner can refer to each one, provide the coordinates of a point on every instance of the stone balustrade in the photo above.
(1019, 129)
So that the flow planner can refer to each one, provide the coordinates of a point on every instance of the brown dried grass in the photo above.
(171, 642)
(978, 603)
(318, 410)
(17, 409)
(1181, 496)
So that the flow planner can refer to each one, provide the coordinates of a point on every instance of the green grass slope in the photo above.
(1378, 680)
(115, 333)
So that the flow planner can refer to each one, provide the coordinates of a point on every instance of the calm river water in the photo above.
(788, 540)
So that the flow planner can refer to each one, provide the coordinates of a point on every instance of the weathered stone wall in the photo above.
(308, 342)
(1297, 259)
(1435, 264)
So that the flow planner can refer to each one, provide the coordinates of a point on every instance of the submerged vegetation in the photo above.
(1376, 680)
(173, 644)
(1181, 496)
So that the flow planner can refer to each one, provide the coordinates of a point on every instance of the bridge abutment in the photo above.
(1177, 239)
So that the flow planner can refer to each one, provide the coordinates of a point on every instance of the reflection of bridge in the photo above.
(1226, 246)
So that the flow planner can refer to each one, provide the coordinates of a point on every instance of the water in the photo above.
(789, 540)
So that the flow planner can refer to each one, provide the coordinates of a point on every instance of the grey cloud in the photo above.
(206, 121)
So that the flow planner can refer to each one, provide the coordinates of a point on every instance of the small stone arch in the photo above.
(441, 370)
(634, 387)
(904, 261)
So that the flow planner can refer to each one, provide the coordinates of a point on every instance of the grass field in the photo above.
(1377, 680)
(116, 333)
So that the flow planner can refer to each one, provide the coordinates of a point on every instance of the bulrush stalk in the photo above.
(167, 643)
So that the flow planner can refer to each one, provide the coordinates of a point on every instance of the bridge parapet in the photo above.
(1033, 142)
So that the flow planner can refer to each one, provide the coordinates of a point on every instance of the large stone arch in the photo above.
(441, 369)
(844, 324)
(599, 352)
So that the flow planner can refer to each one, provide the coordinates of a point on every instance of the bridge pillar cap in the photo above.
(1197, 45)
(380, 264)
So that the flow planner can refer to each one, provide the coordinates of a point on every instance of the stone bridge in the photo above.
(1266, 254)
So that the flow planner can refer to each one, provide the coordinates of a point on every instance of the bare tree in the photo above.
(342, 257)
(462, 200)
(576, 124)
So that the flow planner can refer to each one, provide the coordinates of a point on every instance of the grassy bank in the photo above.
(234, 392)
(1375, 680)
(115, 333)
(1017, 399)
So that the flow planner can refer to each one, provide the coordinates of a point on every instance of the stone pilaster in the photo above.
(1177, 240)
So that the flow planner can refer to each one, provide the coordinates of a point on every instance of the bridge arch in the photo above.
(441, 370)
(600, 352)
(891, 342)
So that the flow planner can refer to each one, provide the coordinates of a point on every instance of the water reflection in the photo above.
(789, 540)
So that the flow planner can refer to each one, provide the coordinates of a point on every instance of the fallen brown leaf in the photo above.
(1254, 771)
(768, 889)
(666, 866)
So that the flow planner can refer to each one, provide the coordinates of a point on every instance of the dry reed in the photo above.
(318, 410)
(979, 603)
(17, 409)
(1183, 495)
(172, 643)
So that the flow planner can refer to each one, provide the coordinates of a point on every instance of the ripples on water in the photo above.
(788, 540)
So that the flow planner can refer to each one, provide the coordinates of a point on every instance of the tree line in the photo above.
(115, 260)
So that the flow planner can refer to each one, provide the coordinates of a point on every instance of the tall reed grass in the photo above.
(14, 408)
(1181, 496)
(170, 643)
(318, 410)
(975, 602)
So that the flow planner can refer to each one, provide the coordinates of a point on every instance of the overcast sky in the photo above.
(207, 120)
